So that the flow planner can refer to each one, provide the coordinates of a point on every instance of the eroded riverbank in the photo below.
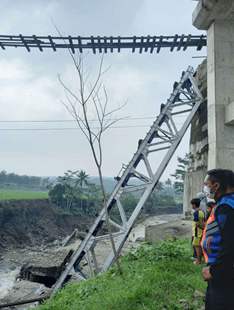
(13, 260)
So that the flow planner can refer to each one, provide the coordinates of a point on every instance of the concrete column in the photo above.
(217, 18)
(220, 80)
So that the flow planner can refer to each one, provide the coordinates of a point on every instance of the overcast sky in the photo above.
(30, 90)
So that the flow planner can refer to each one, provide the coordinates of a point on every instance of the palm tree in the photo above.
(82, 179)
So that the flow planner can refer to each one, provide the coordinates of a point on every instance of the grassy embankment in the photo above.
(154, 277)
(21, 194)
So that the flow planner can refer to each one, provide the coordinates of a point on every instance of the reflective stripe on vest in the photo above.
(211, 228)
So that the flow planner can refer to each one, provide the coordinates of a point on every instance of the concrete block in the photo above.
(46, 267)
(229, 114)
(208, 10)
(180, 228)
(229, 137)
(220, 157)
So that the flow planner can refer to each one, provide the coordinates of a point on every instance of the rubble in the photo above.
(45, 267)
(43, 262)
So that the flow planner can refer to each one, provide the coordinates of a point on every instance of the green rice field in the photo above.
(21, 194)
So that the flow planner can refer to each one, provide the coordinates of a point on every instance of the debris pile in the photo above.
(44, 269)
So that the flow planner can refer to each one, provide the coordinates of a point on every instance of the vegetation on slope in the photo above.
(154, 277)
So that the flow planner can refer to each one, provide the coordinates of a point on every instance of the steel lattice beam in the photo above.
(163, 136)
(104, 44)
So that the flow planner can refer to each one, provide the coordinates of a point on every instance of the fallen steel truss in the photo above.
(146, 166)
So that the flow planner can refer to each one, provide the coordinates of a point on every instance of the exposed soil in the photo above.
(34, 222)
(36, 232)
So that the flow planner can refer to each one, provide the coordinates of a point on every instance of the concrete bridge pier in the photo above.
(220, 77)
(217, 18)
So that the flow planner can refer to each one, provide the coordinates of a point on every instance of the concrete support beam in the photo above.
(220, 77)
(229, 114)
(207, 11)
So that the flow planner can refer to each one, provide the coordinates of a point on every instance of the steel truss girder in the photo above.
(103, 44)
(163, 134)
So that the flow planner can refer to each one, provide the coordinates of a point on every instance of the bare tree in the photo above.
(88, 100)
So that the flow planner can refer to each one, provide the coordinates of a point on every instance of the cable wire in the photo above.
(67, 121)
(50, 129)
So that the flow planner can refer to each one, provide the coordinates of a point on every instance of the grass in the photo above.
(154, 277)
(21, 194)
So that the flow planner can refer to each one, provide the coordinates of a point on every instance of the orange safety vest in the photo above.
(210, 241)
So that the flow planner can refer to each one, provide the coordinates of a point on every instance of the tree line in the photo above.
(22, 180)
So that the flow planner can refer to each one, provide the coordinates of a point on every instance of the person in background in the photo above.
(202, 197)
(198, 226)
(209, 207)
(203, 201)
(218, 241)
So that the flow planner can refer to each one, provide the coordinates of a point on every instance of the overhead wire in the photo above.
(66, 121)
(72, 128)
(78, 128)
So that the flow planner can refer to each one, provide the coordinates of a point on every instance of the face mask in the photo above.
(208, 193)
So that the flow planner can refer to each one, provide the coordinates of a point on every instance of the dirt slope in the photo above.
(34, 222)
